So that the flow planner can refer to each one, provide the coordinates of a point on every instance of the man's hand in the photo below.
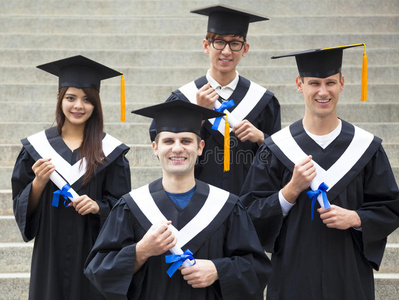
(339, 218)
(304, 172)
(157, 240)
(200, 275)
(246, 131)
(206, 96)
(85, 205)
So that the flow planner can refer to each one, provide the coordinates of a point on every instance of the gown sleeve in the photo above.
(21, 182)
(117, 183)
(110, 263)
(245, 269)
(379, 213)
(259, 194)
(271, 118)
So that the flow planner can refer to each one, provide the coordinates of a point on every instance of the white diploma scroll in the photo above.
(177, 250)
(60, 183)
(232, 120)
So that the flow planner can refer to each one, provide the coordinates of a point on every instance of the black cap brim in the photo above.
(178, 116)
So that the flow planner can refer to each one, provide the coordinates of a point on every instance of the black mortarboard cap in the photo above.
(227, 20)
(319, 63)
(322, 63)
(178, 116)
(79, 72)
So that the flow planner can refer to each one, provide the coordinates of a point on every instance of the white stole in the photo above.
(217, 198)
(246, 105)
(358, 146)
(71, 173)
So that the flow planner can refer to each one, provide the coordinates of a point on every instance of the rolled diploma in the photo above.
(232, 120)
(314, 186)
(177, 250)
(60, 183)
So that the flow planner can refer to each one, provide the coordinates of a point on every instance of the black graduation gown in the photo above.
(63, 238)
(230, 241)
(209, 167)
(311, 261)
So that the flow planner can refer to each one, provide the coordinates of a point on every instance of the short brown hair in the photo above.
(213, 36)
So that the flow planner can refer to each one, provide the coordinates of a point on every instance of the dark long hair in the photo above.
(91, 148)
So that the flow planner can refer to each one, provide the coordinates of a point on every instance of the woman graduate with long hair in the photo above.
(93, 165)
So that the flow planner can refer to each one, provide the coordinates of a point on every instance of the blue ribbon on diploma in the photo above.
(177, 260)
(225, 105)
(314, 193)
(64, 193)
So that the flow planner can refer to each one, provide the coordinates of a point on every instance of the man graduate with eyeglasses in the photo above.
(194, 220)
(322, 194)
(253, 111)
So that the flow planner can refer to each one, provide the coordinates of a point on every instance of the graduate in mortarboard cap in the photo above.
(321, 192)
(178, 237)
(252, 112)
(89, 161)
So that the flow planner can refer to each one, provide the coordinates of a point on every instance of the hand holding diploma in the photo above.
(160, 238)
(208, 97)
(61, 184)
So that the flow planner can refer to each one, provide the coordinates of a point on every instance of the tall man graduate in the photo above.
(333, 255)
(255, 113)
(176, 213)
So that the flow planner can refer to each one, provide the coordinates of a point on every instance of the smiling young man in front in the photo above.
(255, 113)
(176, 213)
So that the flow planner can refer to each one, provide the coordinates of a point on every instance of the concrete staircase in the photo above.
(157, 45)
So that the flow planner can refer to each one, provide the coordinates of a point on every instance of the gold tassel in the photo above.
(226, 145)
(363, 96)
(123, 104)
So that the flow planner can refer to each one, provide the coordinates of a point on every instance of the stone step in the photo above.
(11, 233)
(16, 257)
(139, 176)
(276, 41)
(181, 58)
(100, 8)
(16, 286)
(390, 261)
(184, 25)
(179, 75)
(162, 8)
(157, 93)
(290, 112)
(142, 155)
(386, 286)
(6, 203)
(137, 133)
(138, 156)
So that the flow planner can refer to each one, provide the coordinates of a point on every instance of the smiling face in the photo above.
(321, 95)
(224, 62)
(177, 152)
(76, 107)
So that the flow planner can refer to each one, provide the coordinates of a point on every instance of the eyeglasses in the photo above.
(221, 44)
